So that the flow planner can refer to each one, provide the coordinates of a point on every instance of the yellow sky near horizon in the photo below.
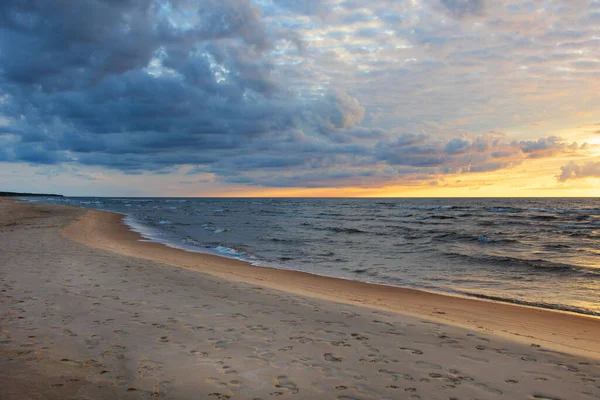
(532, 179)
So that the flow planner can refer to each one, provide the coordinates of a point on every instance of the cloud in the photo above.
(340, 111)
(288, 92)
(574, 170)
(480, 153)
(462, 8)
(548, 147)
(319, 8)
(74, 44)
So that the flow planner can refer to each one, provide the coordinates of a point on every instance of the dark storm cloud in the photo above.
(124, 85)
(66, 44)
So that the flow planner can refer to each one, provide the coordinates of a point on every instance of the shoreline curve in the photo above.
(559, 330)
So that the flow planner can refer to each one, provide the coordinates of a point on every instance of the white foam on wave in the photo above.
(145, 231)
(150, 234)
(484, 239)
(567, 227)
(229, 251)
(424, 208)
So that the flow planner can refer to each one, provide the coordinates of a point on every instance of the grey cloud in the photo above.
(462, 8)
(481, 153)
(99, 38)
(593, 18)
(574, 170)
(341, 110)
(307, 7)
(456, 146)
(73, 44)
(546, 147)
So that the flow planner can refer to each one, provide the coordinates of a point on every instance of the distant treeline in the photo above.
(13, 194)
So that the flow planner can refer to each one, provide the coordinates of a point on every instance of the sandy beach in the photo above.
(90, 312)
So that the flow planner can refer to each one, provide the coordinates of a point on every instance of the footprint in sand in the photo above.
(374, 359)
(425, 364)
(488, 388)
(331, 358)
(412, 351)
(285, 383)
(476, 359)
(149, 369)
(71, 362)
(358, 336)
(339, 343)
(396, 375)
(216, 382)
(219, 396)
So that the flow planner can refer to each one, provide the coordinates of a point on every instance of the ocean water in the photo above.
(540, 252)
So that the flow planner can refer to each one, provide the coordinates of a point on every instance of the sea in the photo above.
(542, 252)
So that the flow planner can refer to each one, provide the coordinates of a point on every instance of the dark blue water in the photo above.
(542, 252)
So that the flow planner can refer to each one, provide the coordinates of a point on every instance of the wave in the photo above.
(505, 209)
(580, 211)
(450, 237)
(349, 231)
(229, 251)
(270, 212)
(539, 304)
(487, 240)
(539, 265)
(544, 217)
(508, 209)
(569, 227)
(557, 246)
(427, 208)
(442, 217)
(280, 240)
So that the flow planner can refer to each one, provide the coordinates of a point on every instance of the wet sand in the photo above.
(93, 313)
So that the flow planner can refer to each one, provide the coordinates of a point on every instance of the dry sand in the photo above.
(117, 321)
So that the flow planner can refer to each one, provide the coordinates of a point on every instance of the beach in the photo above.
(90, 311)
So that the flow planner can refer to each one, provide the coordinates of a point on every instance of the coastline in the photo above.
(83, 322)
(147, 233)
(559, 330)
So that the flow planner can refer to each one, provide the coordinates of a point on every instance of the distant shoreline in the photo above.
(17, 194)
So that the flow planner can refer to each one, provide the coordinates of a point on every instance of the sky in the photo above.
(386, 98)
